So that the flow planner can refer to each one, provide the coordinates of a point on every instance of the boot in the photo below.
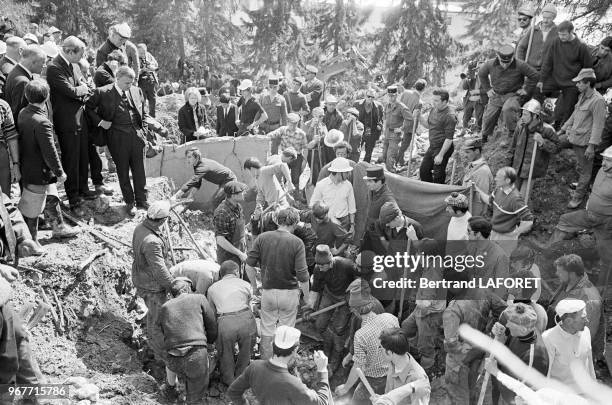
(35, 249)
(56, 219)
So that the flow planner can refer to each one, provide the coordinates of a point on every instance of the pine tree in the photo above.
(590, 16)
(414, 43)
(493, 22)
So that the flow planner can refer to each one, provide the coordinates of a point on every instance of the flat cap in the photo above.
(569, 306)
(312, 69)
(159, 209)
(585, 74)
(286, 337)
(124, 30)
(392, 89)
(234, 187)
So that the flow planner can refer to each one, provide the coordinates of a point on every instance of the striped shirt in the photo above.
(7, 123)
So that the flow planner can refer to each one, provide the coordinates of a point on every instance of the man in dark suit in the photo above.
(14, 47)
(226, 117)
(67, 99)
(32, 62)
(118, 38)
(119, 109)
(41, 168)
(105, 73)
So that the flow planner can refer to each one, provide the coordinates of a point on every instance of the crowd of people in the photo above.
(300, 253)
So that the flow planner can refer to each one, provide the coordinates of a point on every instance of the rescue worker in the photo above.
(473, 307)
(332, 276)
(150, 275)
(412, 101)
(296, 101)
(231, 299)
(188, 325)
(379, 192)
(352, 129)
(371, 116)
(275, 107)
(202, 273)
(477, 172)
(313, 88)
(228, 220)
(332, 118)
(474, 102)
(529, 131)
(503, 79)
(398, 121)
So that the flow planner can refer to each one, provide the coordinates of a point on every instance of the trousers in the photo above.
(235, 329)
(193, 369)
(155, 336)
(278, 307)
(431, 172)
(5, 171)
(508, 105)
(95, 164)
(127, 150)
(428, 332)
(75, 161)
(391, 149)
(368, 142)
(148, 90)
(473, 109)
(406, 139)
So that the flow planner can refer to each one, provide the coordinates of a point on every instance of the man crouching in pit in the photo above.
(332, 276)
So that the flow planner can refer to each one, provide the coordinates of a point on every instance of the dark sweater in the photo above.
(187, 320)
(563, 61)
(209, 170)
(521, 347)
(274, 385)
(282, 259)
(335, 280)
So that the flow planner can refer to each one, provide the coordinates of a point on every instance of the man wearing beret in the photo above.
(569, 341)
(398, 121)
(477, 172)
(520, 336)
(275, 107)
(503, 79)
(229, 224)
(332, 276)
(313, 88)
(352, 129)
(150, 275)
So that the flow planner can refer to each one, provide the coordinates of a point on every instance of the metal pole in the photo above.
(533, 158)
(415, 124)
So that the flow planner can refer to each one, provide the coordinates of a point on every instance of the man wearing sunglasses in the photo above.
(503, 78)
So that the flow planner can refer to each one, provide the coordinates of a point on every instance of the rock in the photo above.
(77, 382)
(88, 391)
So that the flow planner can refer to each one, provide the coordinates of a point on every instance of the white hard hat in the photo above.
(607, 153)
(340, 165)
(533, 106)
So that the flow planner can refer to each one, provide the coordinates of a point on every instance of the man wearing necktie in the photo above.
(119, 109)
(67, 100)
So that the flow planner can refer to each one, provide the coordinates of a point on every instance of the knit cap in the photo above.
(522, 315)
(359, 293)
(456, 200)
(323, 255)
(388, 212)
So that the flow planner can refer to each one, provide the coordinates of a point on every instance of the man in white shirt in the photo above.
(336, 192)
(568, 342)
